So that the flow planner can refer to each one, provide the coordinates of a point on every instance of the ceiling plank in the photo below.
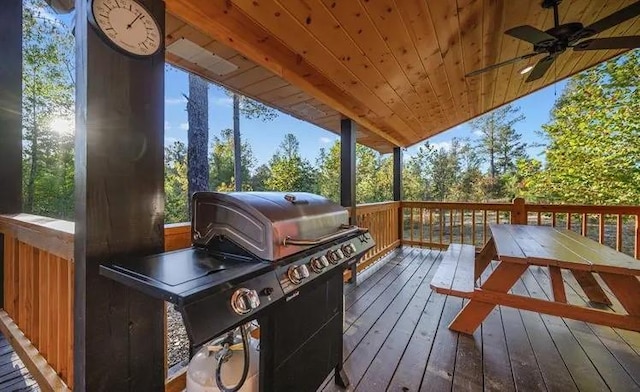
(227, 24)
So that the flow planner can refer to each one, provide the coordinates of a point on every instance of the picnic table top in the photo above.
(552, 246)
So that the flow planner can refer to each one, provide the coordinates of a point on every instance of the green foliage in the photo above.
(221, 163)
(593, 153)
(48, 99)
(500, 145)
(289, 171)
(176, 183)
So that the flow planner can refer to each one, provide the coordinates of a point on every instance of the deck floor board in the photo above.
(14, 376)
(397, 338)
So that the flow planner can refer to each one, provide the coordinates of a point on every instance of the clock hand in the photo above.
(134, 21)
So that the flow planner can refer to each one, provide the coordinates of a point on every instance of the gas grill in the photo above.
(277, 258)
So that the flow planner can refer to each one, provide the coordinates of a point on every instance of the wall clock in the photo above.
(127, 26)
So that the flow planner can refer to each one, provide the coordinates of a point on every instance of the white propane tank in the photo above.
(201, 373)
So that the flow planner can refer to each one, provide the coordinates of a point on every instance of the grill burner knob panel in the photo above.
(298, 273)
(349, 249)
(244, 301)
(319, 263)
(333, 256)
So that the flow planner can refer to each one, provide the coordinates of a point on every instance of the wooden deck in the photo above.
(396, 338)
(13, 374)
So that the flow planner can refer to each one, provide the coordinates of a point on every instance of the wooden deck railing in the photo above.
(437, 224)
(38, 258)
(38, 293)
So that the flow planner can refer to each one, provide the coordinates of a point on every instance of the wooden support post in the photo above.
(119, 210)
(397, 186)
(10, 116)
(519, 212)
(348, 165)
(348, 130)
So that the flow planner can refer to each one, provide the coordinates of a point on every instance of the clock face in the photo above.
(128, 25)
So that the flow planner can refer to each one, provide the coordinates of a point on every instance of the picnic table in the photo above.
(516, 248)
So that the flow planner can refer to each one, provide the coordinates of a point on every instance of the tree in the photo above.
(221, 169)
(328, 164)
(198, 135)
(176, 183)
(593, 151)
(289, 171)
(48, 96)
(499, 142)
(259, 178)
(445, 169)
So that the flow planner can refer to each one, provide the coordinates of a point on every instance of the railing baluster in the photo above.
(484, 227)
(430, 226)
(539, 219)
(619, 233)
(568, 221)
(451, 226)
(462, 226)
(421, 227)
(584, 228)
(497, 217)
(411, 224)
(601, 219)
(553, 219)
(441, 221)
(473, 227)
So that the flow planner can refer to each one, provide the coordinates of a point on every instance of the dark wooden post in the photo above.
(10, 116)
(397, 185)
(118, 332)
(348, 165)
(348, 130)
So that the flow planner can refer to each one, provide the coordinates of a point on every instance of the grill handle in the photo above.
(344, 230)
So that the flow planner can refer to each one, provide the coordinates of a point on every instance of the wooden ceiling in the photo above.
(395, 66)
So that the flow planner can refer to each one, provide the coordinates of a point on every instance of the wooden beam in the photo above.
(119, 192)
(224, 22)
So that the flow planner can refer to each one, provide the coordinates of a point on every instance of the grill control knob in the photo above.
(297, 273)
(244, 301)
(318, 264)
(340, 254)
(333, 257)
(349, 249)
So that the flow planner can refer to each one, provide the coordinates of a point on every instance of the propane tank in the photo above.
(201, 372)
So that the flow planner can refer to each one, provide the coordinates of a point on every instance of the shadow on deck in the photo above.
(396, 338)
(14, 376)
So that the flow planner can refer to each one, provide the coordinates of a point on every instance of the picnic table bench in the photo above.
(516, 247)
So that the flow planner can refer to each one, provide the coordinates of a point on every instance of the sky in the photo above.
(264, 137)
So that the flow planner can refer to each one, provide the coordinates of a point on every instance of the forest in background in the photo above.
(592, 154)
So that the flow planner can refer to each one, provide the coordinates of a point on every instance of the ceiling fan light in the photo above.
(526, 69)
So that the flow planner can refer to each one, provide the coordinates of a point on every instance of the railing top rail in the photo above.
(457, 205)
(37, 222)
(51, 235)
(584, 209)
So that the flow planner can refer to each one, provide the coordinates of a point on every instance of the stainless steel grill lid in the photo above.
(270, 225)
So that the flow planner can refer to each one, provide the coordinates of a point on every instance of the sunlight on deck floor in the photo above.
(13, 374)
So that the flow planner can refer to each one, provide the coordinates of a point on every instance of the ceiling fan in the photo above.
(560, 37)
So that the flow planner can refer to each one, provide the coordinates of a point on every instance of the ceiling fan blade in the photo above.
(630, 42)
(541, 68)
(529, 34)
(614, 19)
(498, 65)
